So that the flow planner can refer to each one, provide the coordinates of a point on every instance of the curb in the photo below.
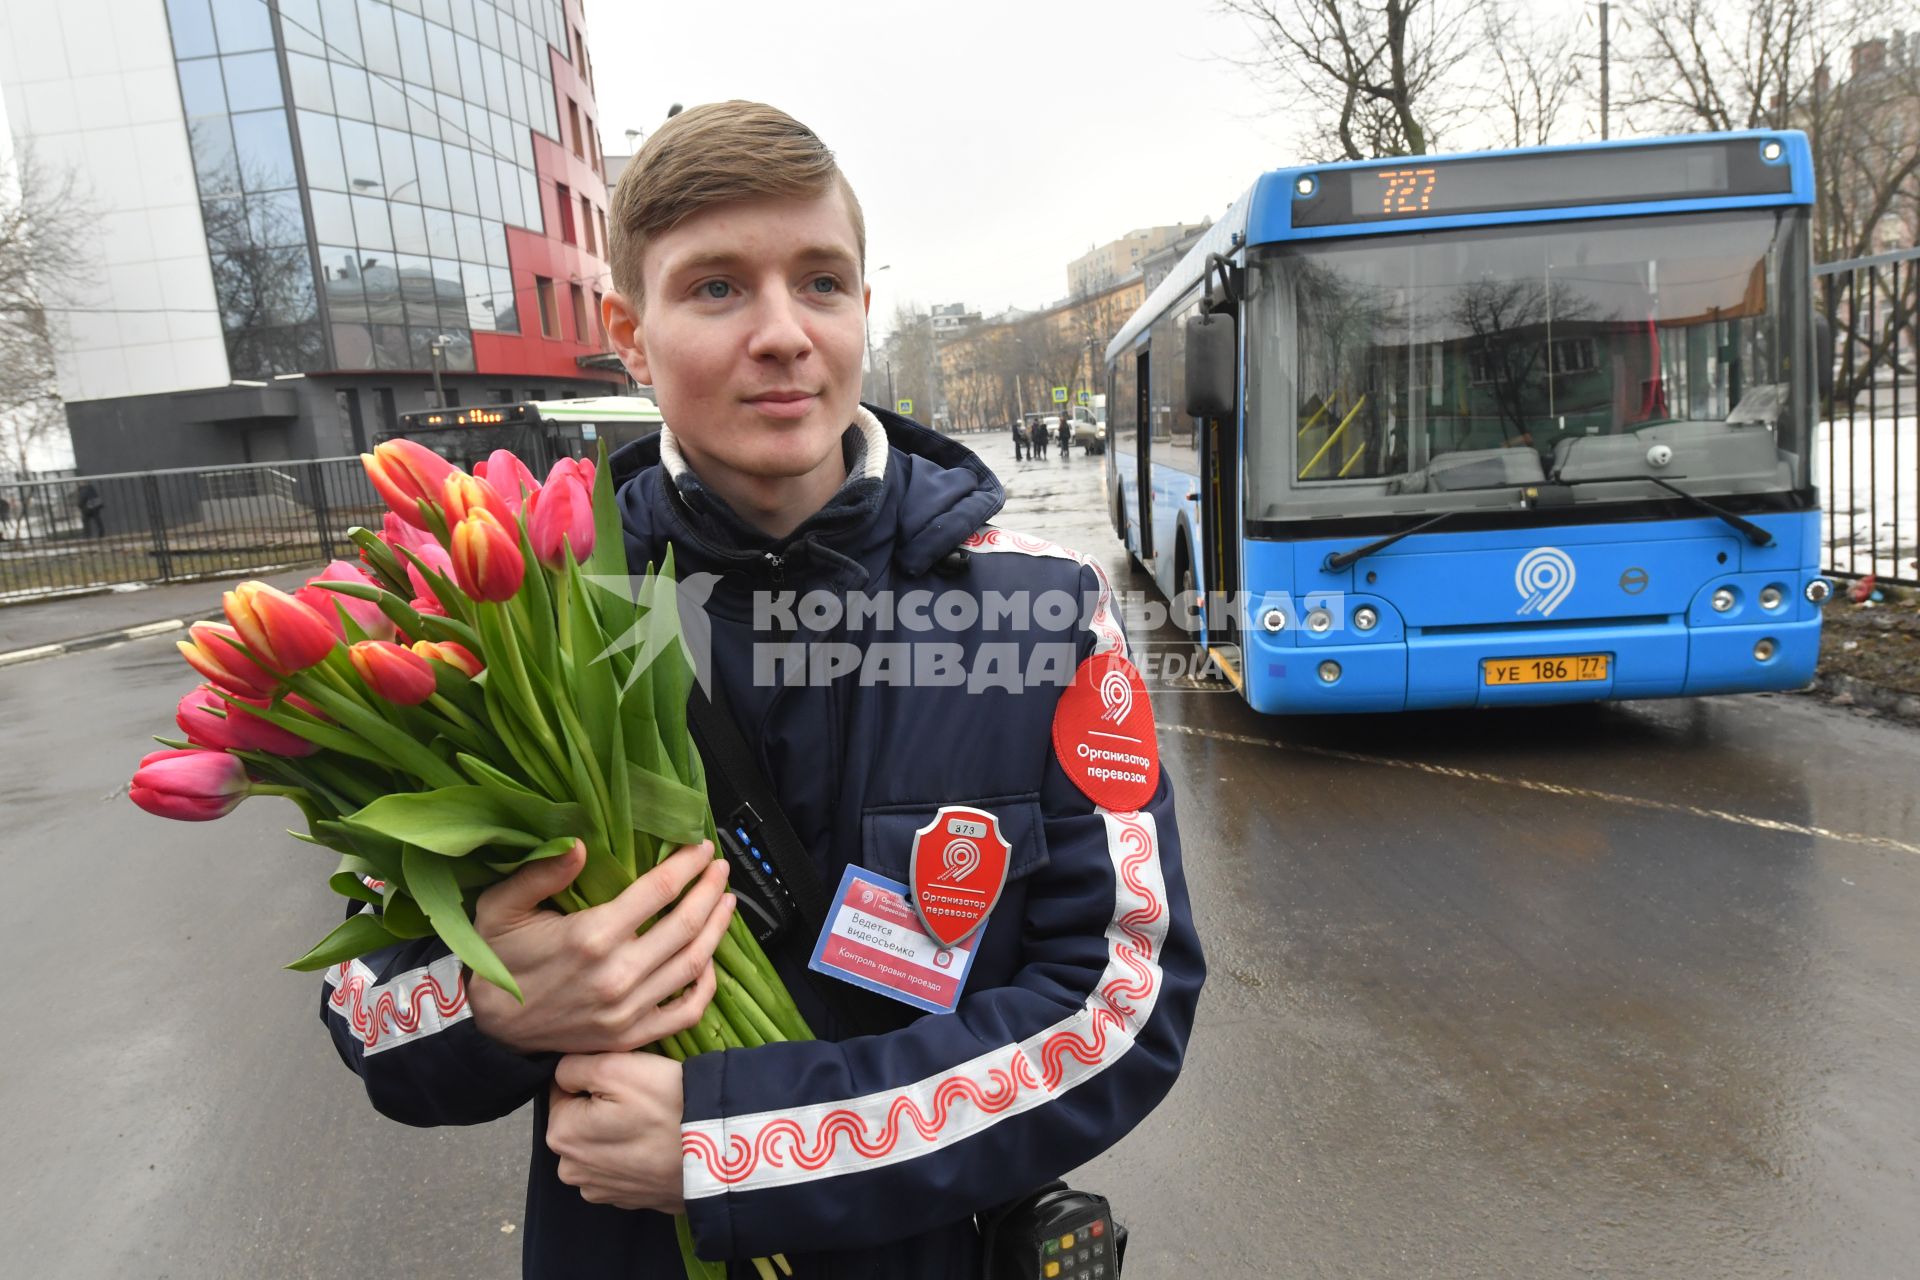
(140, 631)
(1847, 691)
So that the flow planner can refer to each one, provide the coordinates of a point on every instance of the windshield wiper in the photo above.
(1758, 536)
(1333, 563)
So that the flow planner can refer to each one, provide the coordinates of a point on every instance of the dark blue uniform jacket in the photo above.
(864, 1156)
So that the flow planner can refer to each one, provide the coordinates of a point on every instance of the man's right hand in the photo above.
(592, 982)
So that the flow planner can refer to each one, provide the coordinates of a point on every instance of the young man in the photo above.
(738, 256)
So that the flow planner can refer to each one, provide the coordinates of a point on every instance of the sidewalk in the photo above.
(48, 627)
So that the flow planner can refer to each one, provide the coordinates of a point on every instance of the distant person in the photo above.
(1066, 436)
(6, 516)
(91, 504)
(1037, 437)
(1019, 442)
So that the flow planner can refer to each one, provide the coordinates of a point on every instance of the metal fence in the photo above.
(87, 532)
(1867, 454)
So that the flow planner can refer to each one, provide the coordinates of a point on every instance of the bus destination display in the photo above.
(1492, 184)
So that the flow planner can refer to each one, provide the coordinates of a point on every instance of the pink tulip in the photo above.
(558, 517)
(365, 613)
(283, 633)
(487, 563)
(189, 786)
(399, 675)
(435, 557)
(405, 472)
(397, 533)
(211, 651)
(508, 476)
(210, 720)
(581, 469)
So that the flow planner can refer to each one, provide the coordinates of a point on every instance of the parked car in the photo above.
(1089, 432)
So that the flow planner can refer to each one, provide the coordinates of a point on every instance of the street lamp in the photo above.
(436, 351)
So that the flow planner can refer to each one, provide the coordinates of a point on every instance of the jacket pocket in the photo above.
(887, 833)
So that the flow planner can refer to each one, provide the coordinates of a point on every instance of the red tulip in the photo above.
(454, 654)
(365, 613)
(283, 633)
(190, 786)
(210, 720)
(487, 563)
(559, 516)
(405, 471)
(463, 493)
(397, 533)
(581, 469)
(211, 652)
(508, 476)
(399, 675)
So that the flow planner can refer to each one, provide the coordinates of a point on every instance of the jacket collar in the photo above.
(912, 495)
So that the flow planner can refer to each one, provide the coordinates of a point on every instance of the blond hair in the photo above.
(719, 153)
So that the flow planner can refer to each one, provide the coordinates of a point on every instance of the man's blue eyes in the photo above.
(719, 289)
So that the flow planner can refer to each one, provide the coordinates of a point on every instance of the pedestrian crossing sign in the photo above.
(1084, 397)
(903, 406)
(1059, 395)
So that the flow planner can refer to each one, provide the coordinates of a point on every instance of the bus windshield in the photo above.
(1439, 370)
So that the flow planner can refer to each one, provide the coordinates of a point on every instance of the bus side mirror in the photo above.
(1210, 366)
(1823, 356)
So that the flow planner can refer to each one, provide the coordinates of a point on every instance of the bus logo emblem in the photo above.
(1544, 580)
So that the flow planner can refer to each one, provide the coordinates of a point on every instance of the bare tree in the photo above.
(1385, 76)
(1533, 79)
(42, 227)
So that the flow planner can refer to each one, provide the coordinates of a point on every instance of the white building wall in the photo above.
(90, 86)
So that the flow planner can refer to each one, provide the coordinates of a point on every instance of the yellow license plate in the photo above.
(1569, 669)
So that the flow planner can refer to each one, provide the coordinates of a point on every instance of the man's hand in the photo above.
(614, 1121)
(592, 985)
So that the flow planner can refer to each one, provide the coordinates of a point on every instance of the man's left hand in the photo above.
(614, 1121)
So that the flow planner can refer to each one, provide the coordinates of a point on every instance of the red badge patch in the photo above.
(959, 868)
(1103, 734)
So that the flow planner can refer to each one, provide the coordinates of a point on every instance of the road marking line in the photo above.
(1549, 788)
(28, 655)
(154, 629)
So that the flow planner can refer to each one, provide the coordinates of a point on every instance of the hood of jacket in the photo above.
(933, 493)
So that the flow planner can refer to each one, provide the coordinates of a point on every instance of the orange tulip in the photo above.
(396, 674)
(210, 651)
(282, 633)
(405, 471)
(462, 493)
(487, 563)
(454, 654)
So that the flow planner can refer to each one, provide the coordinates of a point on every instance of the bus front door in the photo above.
(1143, 458)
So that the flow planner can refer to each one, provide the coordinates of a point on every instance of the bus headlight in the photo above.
(1366, 618)
(1764, 650)
(1329, 672)
(1770, 597)
(1273, 620)
(1818, 590)
(1319, 621)
(1723, 599)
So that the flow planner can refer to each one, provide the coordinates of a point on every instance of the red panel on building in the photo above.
(544, 253)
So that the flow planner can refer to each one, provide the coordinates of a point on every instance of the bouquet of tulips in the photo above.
(471, 697)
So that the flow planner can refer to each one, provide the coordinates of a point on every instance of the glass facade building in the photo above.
(412, 125)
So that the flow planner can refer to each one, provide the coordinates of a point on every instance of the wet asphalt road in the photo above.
(1618, 991)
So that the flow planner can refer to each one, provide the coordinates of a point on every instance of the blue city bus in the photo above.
(1505, 427)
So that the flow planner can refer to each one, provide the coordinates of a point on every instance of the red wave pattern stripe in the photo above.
(394, 1010)
(785, 1140)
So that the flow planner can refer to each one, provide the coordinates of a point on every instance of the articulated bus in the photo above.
(1508, 427)
(541, 432)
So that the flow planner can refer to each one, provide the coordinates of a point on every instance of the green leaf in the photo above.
(358, 936)
(551, 849)
(454, 821)
(378, 556)
(348, 882)
(609, 558)
(672, 673)
(665, 808)
(403, 915)
(431, 882)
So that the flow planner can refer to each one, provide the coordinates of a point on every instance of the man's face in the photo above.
(751, 336)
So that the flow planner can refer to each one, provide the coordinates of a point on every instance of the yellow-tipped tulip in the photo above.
(487, 563)
(281, 632)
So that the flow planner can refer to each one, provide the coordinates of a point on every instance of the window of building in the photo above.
(549, 321)
(388, 417)
(565, 200)
(580, 330)
(606, 241)
(593, 145)
(586, 225)
(500, 395)
(573, 124)
(579, 54)
(600, 318)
